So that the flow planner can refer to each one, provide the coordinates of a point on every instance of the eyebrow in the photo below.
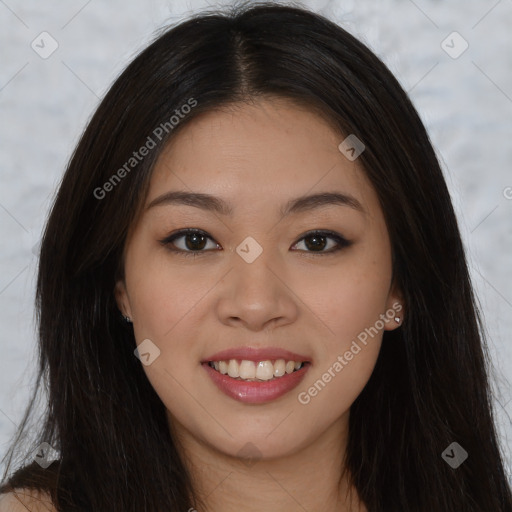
(293, 206)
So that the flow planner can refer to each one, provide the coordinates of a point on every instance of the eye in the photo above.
(195, 240)
(317, 242)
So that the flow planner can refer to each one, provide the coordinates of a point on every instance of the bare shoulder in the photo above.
(21, 500)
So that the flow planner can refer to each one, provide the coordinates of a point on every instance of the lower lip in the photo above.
(254, 392)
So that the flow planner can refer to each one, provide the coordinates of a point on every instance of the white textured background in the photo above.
(466, 103)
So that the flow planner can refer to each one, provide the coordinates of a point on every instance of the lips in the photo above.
(256, 354)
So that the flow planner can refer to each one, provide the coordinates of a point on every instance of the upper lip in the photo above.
(256, 354)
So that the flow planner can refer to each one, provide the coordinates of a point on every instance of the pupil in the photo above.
(316, 243)
(194, 236)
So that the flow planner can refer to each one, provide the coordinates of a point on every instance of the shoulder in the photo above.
(21, 500)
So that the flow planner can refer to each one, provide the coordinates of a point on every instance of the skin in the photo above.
(256, 157)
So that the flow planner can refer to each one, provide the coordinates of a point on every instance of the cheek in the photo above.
(166, 307)
(331, 391)
(164, 292)
(347, 301)
(165, 304)
(347, 298)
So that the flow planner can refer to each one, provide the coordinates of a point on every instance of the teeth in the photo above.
(223, 367)
(265, 370)
(279, 368)
(233, 369)
(249, 370)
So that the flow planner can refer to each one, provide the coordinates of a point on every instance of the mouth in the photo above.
(256, 371)
(256, 376)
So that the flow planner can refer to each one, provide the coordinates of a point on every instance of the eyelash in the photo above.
(341, 241)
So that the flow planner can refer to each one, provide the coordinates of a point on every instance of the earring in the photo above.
(127, 319)
(397, 319)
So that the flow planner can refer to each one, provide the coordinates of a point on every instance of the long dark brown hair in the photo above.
(430, 385)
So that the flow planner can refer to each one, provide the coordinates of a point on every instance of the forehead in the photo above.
(254, 155)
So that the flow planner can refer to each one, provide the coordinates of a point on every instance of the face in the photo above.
(263, 277)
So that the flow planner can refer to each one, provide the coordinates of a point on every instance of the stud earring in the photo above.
(397, 319)
(127, 319)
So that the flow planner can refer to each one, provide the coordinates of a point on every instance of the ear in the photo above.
(395, 309)
(121, 295)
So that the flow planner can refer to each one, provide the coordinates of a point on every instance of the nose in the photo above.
(257, 294)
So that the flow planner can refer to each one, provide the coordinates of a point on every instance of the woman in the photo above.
(252, 290)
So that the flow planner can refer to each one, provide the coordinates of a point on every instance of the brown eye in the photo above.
(317, 241)
(194, 242)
